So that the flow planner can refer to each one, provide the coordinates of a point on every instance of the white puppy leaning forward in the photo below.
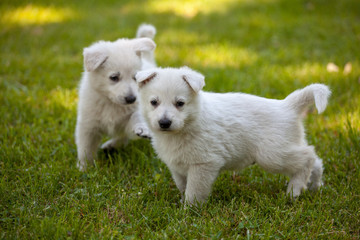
(197, 134)
(108, 93)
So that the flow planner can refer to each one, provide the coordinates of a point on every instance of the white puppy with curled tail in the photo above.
(108, 93)
(197, 134)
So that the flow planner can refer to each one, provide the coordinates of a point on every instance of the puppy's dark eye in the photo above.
(115, 77)
(154, 102)
(180, 103)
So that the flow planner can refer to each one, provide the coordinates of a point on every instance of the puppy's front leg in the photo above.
(180, 181)
(87, 142)
(199, 182)
(138, 126)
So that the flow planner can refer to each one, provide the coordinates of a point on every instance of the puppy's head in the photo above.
(111, 67)
(169, 97)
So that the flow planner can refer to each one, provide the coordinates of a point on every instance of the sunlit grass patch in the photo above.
(211, 55)
(221, 56)
(189, 8)
(35, 14)
(342, 121)
(318, 69)
(305, 70)
(179, 37)
(66, 98)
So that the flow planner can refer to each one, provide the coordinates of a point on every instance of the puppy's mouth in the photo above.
(169, 130)
(126, 103)
(121, 101)
(165, 130)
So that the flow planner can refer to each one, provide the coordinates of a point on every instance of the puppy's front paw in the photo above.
(81, 166)
(142, 131)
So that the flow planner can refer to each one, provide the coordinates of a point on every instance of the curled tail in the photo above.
(302, 98)
(146, 30)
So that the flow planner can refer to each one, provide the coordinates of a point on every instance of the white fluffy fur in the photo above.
(110, 107)
(213, 132)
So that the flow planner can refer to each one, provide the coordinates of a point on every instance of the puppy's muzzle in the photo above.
(164, 123)
(130, 99)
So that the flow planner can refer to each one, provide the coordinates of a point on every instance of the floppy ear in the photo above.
(143, 45)
(93, 58)
(195, 80)
(143, 77)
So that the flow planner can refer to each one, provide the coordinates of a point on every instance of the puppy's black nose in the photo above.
(130, 99)
(165, 123)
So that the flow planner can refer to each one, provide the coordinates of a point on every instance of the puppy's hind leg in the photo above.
(300, 161)
(316, 174)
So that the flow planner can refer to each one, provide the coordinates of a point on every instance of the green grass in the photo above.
(267, 48)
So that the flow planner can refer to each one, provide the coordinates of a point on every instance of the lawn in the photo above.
(266, 47)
